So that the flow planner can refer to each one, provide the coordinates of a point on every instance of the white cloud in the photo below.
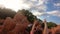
(1, 6)
(57, 4)
(48, 16)
(37, 7)
(37, 13)
(14, 4)
(41, 7)
(24, 4)
(55, 13)
(10, 4)
(36, 3)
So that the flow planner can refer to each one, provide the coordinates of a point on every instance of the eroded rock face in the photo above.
(21, 19)
(1, 29)
(1, 21)
(55, 30)
(9, 24)
(17, 25)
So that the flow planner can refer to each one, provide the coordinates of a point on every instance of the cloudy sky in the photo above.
(49, 9)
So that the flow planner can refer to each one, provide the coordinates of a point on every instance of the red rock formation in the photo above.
(9, 24)
(21, 19)
(1, 21)
(1, 29)
(56, 30)
(19, 23)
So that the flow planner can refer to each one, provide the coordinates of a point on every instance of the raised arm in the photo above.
(45, 27)
(33, 27)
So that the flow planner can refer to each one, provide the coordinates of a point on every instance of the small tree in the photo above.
(28, 14)
(51, 24)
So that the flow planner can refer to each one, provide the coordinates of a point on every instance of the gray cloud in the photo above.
(37, 7)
